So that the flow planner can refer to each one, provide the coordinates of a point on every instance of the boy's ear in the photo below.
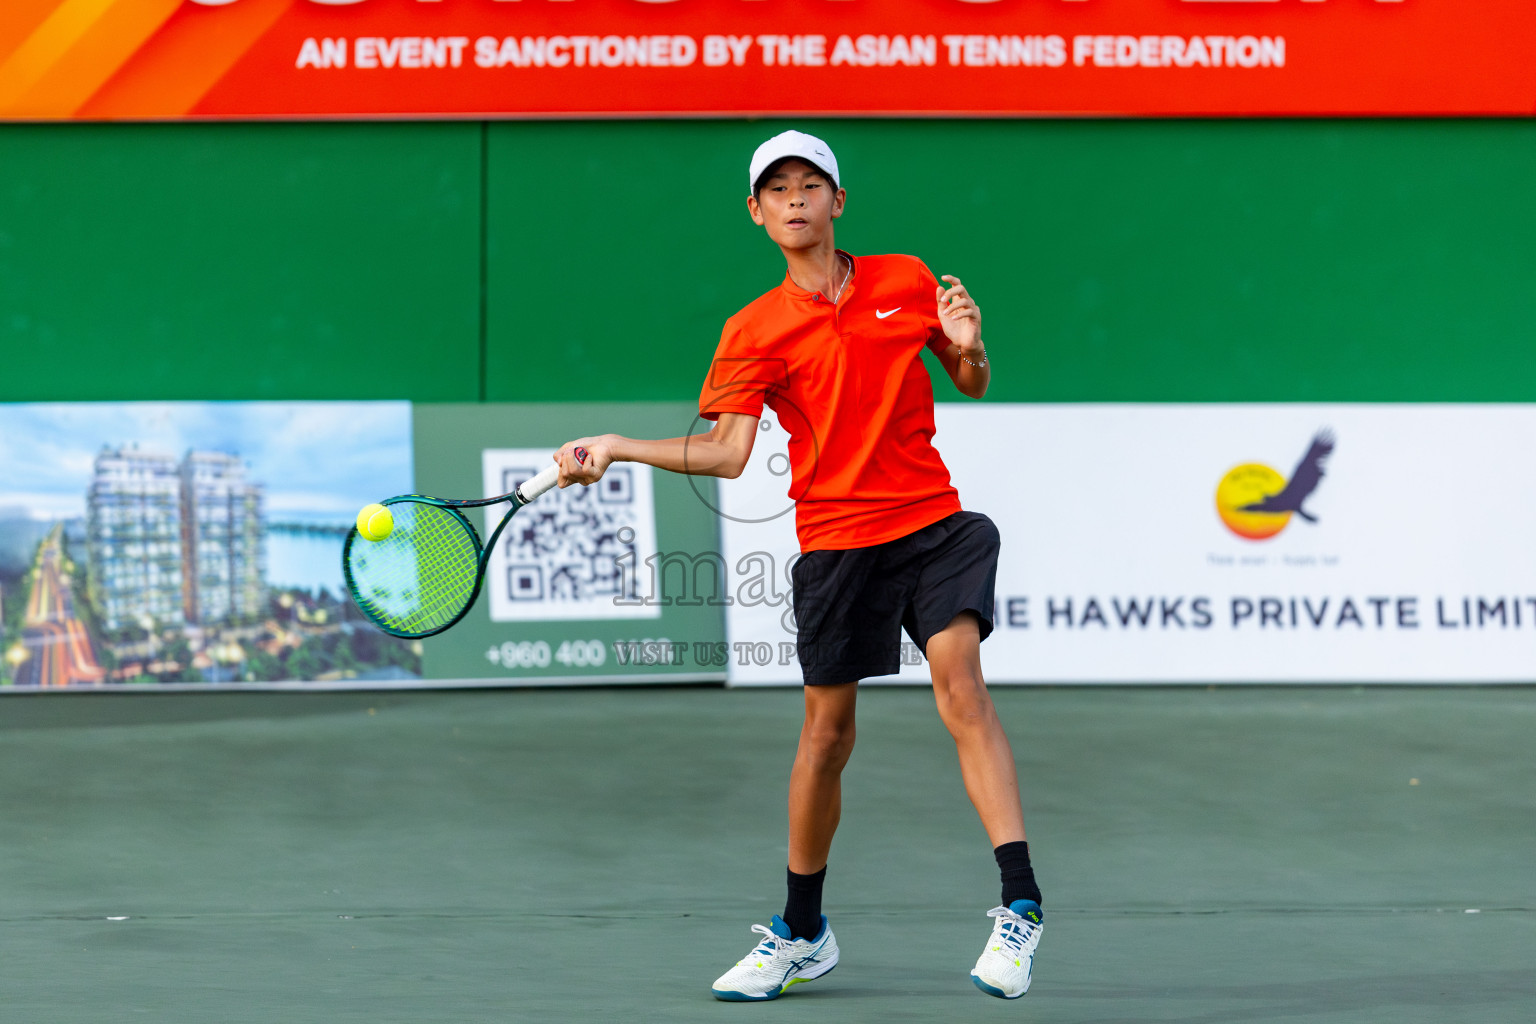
(755, 211)
(838, 201)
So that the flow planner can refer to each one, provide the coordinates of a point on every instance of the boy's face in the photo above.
(797, 205)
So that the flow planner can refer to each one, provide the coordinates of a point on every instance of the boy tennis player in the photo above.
(835, 351)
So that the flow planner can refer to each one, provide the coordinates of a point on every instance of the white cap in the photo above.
(793, 144)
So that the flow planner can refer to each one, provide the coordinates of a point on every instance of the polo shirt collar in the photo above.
(796, 292)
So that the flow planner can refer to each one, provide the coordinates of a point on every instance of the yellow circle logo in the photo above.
(1243, 487)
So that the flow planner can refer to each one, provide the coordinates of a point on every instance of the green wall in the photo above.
(239, 261)
(1114, 260)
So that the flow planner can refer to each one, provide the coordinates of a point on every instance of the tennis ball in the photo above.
(374, 522)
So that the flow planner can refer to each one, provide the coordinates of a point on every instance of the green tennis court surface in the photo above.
(1207, 856)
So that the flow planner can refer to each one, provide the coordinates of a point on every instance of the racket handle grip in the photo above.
(546, 479)
(530, 489)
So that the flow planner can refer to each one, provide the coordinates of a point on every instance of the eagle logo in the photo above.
(1256, 502)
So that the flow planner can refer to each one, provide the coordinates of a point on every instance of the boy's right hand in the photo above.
(599, 456)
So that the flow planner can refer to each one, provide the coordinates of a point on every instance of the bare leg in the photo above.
(816, 782)
(986, 759)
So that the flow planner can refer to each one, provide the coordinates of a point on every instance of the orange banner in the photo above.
(148, 59)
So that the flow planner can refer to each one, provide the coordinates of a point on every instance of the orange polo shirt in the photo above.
(848, 384)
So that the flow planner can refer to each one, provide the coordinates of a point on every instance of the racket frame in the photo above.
(520, 496)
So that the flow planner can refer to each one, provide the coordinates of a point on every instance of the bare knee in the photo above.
(826, 745)
(963, 702)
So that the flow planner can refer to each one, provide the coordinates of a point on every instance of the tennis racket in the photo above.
(426, 574)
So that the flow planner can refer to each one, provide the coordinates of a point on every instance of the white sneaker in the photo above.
(778, 962)
(1004, 968)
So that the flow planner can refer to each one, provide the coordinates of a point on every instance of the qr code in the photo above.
(577, 553)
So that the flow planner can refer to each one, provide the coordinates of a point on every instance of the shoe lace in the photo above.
(769, 944)
(1011, 929)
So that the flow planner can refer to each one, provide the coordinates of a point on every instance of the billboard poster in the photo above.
(198, 544)
(167, 59)
(614, 583)
(1216, 543)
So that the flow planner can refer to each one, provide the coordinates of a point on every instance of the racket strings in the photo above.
(420, 577)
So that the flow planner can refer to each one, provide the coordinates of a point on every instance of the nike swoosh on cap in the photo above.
(882, 314)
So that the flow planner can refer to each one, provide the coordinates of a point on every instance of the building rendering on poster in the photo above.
(116, 59)
(191, 543)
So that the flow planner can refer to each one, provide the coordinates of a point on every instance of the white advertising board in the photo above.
(1212, 543)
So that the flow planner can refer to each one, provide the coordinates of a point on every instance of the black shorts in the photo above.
(850, 606)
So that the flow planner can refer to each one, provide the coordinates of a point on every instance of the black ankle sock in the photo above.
(1018, 876)
(802, 910)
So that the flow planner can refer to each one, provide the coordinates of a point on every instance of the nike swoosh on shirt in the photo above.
(882, 314)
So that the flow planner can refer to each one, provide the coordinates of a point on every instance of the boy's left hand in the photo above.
(959, 315)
